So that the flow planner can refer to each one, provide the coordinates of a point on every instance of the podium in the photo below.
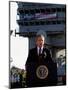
(43, 73)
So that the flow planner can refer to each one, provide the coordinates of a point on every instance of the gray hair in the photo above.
(39, 35)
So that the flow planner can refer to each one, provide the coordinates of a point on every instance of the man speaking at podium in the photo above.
(40, 68)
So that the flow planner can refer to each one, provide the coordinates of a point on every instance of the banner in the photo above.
(40, 16)
(45, 16)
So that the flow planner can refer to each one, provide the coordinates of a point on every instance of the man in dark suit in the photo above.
(40, 68)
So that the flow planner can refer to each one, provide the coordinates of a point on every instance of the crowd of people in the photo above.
(17, 79)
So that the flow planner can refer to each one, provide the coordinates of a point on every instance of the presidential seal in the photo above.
(42, 72)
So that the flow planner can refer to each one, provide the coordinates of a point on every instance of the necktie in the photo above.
(39, 51)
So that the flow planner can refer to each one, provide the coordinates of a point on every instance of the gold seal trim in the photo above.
(42, 72)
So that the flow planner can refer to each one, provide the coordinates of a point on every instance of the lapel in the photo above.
(43, 50)
(36, 51)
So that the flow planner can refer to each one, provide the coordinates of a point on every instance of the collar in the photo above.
(39, 48)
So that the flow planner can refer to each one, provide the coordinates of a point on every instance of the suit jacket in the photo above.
(33, 55)
(33, 61)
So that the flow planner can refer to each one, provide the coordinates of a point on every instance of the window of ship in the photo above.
(48, 22)
(32, 11)
(26, 23)
(53, 22)
(42, 10)
(47, 10)
(58, 9)
(63, 21)
(31, 23)
(26, 11)
(58, 22)
(42, 22)
(37, 22)
(63, 9)
(53, 10)
(37, 10)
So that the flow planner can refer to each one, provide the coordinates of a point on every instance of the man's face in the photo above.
(40, 41)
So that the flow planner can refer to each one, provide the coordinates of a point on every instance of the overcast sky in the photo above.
(18, 45)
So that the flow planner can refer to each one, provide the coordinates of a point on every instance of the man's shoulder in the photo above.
(46, 49)
(33, 49)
